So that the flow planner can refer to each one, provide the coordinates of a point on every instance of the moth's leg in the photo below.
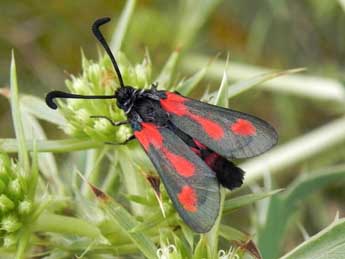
(123, 143)
(114, 123)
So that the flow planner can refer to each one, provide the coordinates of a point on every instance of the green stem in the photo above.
(55, 146)
(48, 222)
(213, 235)
(23, 243)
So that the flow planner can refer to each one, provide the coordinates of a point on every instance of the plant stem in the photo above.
(55, 146)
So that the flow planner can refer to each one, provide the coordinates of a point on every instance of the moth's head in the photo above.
(125, 97)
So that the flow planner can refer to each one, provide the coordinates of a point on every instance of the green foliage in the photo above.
(59, 214)
(329, 243)
(284, 205)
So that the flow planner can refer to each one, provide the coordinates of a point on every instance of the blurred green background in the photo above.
(47, 38)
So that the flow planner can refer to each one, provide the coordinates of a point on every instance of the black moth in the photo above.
(188, 142)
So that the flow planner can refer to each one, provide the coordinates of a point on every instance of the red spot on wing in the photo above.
(187, 197)
(174, 103)
(212, 129)
(182, 166)
(149, 134)
(243, 127)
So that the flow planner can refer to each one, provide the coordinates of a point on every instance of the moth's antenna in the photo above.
(98, 34)
(59, 94)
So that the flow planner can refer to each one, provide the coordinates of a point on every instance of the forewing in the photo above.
(190, 183)
(230, 133)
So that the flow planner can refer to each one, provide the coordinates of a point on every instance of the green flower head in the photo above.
(14, 205)
(101, 79)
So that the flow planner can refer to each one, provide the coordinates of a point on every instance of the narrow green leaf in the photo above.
(164, 78)
(189, 85)
(122, 26)
(38, 108)
(314, 87)
(328, 243)
(154, 221)
(222, 96)
(245, 85)
(17, 121)
(244, 200)
(46, 161)
(132, 179)
(200, 250)
(55, 146)
(127, 222)
(231, 234)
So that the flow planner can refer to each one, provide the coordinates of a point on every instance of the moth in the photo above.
(189, 142)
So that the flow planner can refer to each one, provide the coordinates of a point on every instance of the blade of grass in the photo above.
(328, 243)
(244, 200)
(189, 85)
(126, 222)
(122, 26)
(231, 234)
(46, 161)
(17, 122)
(164, 78)
(222, 96)
(245, 85)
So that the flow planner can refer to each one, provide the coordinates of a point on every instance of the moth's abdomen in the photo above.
(228, 174)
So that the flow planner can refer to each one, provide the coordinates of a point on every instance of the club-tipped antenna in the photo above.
(98, 34)
(59, 94)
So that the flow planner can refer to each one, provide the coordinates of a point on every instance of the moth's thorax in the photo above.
(142, 105)
(151, 111)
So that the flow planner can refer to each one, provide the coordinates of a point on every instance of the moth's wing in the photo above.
(190, 183)
(230, 133)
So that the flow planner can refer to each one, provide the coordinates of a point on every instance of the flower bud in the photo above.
(10, 223)
(5, 203)
(10, 240)
(25, 207)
